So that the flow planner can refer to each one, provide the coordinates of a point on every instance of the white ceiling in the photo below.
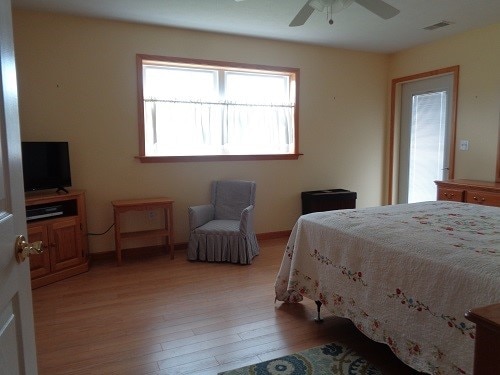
(353, 28)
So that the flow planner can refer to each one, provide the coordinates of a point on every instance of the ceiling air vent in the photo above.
(438, 25)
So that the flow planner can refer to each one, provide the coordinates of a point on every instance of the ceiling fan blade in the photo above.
(303, 15)
(379, 7)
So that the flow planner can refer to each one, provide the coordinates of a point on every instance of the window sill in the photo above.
(200, 158)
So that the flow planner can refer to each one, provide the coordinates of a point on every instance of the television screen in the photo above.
(46, 165)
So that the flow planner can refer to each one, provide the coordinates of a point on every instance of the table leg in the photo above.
(118, 246)
(170, 223)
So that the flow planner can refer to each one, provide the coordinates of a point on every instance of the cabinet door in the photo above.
(65, 244)
(40, 263)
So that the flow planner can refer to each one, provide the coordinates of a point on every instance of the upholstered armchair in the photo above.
(222, 231)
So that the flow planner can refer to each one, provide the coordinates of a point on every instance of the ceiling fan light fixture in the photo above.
(377, 7)
(319, 5)
(338, 5)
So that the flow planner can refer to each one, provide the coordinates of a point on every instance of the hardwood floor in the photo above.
(154, 315)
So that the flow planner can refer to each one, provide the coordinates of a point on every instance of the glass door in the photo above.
(425, 137)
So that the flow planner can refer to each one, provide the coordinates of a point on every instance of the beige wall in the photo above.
(77, 83)
(478, 118)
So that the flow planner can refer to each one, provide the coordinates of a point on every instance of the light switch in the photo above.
(464, 145)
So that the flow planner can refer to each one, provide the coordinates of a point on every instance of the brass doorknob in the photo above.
(24, 249)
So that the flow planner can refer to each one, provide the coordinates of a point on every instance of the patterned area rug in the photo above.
(334, 358)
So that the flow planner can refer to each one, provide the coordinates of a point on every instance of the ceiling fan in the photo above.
(378, 7)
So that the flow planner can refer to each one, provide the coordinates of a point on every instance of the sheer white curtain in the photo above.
(216, 111)
(208, 128)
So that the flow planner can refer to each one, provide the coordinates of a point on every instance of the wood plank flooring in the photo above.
(154, 315)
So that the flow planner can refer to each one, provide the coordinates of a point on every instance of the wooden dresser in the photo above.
(470, 191)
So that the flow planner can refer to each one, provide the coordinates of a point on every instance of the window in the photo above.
(206, 110)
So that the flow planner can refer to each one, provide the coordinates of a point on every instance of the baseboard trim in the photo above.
(272, 235)
(149, 250)
(135, 252)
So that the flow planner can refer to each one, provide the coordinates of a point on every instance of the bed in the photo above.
(404, 274)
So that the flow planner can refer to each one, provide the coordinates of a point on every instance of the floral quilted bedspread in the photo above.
(404, 274)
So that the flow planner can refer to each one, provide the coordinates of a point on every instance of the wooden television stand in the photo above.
(60, 222)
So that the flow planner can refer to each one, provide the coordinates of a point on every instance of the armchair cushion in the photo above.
(219, 227)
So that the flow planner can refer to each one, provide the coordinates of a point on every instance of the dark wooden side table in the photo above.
(326, 200)
(145, 204)
(487, 346)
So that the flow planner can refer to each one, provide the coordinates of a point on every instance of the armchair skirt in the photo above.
(221, 241)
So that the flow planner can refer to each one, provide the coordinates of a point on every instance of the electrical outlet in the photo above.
(464, 145)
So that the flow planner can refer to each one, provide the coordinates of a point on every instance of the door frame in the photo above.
(395, 123)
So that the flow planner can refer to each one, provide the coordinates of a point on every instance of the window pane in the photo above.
(427, 145)
(178, 83)
(255, 88)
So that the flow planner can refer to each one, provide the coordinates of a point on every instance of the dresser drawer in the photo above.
(470, 191)
(447, 194)
(483, 197)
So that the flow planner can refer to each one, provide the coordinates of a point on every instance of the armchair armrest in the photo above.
(199, 215)
(246, 221)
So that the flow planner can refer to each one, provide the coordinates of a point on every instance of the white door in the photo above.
(425, 137)
(17, 339)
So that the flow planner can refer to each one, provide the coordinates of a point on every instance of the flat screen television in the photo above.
(46, 166)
